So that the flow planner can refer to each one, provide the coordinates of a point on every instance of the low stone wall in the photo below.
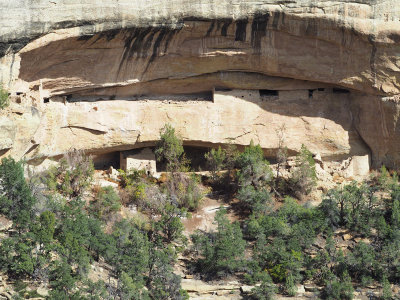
(141, 159)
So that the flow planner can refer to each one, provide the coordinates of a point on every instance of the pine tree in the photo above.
(16, 199)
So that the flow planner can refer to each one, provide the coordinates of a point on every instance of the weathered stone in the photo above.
(358, 166)
(347, 237)
(42, 291)
(300, 289)
(139, 160)
(198, 286)
(329, 72)
(311, 287)
(285, 35)
(132, 124)
(5, 225)
(113, 174)
(372, 286)
(246, 289)
(7, 133)
(7, 295)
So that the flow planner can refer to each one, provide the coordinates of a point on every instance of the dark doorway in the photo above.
(106, 160)
(196, 157)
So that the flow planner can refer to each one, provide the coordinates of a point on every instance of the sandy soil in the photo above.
(203, 219)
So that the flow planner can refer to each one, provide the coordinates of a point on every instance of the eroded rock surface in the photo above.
(106, 76)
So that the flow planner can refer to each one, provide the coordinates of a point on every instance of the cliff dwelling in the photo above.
(276, 125)
(144, 159)
(217, 82)
(320, 116)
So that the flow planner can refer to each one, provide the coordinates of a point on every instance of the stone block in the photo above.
(293, 95)
(143, 159)
(359, 166)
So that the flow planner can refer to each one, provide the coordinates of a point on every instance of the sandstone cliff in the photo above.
(105, 76)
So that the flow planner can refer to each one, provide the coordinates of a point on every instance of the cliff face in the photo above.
(105, 76)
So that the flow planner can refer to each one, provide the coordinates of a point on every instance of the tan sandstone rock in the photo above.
(105, 77)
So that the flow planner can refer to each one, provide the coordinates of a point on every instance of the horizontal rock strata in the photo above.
(106, 77)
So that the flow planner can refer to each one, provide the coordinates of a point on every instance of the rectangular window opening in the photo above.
(269, 93)
(340, 91)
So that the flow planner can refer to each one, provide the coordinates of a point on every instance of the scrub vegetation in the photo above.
(63, 224)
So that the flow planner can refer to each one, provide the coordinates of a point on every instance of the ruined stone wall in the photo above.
(107, 75)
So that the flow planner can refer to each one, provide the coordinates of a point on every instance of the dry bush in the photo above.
(72, 176)
(185, 190)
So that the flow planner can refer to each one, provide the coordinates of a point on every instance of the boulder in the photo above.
(42, 291)
(201, 287)
(7, 133)
(347, 237)
(246, 289)
(300, 289)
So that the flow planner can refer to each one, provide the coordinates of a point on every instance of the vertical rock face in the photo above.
(106, 77)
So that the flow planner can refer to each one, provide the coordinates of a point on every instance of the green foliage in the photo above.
(27, 253)
(145, 257)
(170, 228)
(58, 238)
(351, 206)
(366, 280)
(395, 217)
(223, 159)
(389, 256)
(231, 156)
(258, 200)
(361, 261)
(3, 98)
(163, 283)
(254, 176)
(292, 222)
(16, 199)
(131, 177)
(22, 263)
(278, 273)
(45, 227)
(62, 280)
(304, 177)
(384, 179)
(65, 238)
(386, 289)
(72, 176)
(282, 237)
(254, 169)
(215, 159)
(338, 289)
(129, 289)
(192, 194)
(218, 160)
(169, 149)
(95, 290)
(140, 190)
(106, 203)
(185, 189)
(180, 187)
(266, 290)
(129, 251)
(221, 251)
(333, 208)
(290, 285)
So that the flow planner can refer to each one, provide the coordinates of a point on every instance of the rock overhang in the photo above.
(133, 52)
